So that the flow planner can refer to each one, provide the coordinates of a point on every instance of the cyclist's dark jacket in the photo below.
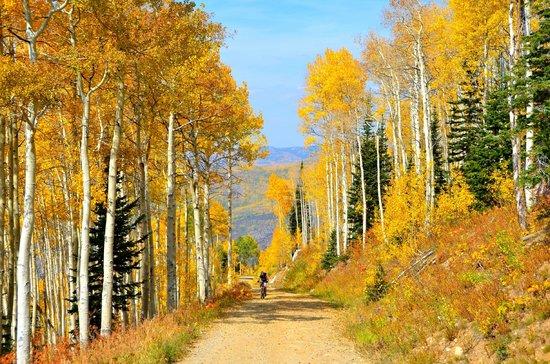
(263, 277)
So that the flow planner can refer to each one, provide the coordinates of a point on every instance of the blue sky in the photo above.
(272, 41)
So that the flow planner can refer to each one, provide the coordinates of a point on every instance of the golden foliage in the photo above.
(281, 192)
(455, 202)
(502, 186)
(405, 207)
(278, 253)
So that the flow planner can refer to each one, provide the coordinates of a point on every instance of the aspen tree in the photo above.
(107, 290)
(517, 164)
(171, 286)
(32, 116)
(85, 99)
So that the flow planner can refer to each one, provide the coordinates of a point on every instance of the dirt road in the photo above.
(284, 328)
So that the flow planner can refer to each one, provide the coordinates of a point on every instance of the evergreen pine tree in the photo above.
(440, 175)
(355, 200)
(536, 89)
(378, 289)
(295, 214)
(125, 260)
(489, 150)
(465, 120)
(330, 258)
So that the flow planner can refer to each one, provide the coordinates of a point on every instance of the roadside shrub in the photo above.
(163, 339)
(375, 291)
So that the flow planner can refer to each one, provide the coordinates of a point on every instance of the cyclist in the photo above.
(263, 284)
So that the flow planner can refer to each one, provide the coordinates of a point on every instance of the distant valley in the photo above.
(252, 212)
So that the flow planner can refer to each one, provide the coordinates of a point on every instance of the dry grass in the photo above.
(163, 339)
(482, 286)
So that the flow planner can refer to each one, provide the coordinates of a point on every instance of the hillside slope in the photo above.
(470, 291)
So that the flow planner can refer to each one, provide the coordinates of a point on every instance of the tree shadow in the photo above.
(276, 308)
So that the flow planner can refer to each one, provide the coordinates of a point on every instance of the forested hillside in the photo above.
(426, 213)
(253, 214)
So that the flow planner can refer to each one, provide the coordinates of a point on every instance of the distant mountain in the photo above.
(287, 155)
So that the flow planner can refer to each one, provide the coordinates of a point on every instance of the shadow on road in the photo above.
(280, 307)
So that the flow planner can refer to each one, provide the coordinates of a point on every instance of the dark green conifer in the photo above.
(440, 175)
(535, 90)
(465, 120)
(126, 249)
(489, 150)
(355, 200)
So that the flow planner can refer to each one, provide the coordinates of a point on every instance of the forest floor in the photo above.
(283, 328)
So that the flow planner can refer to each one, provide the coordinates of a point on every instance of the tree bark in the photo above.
(84, 252)
(2, 208)
(344, 200)
(199, 242)
(363, 193)
(336, 208)
(107, 291)
(415, 128)
(145, 224)
(171, 274)
(529, 190)
(207, 235)
(201, 274)
(379, 187)
(23, 280)
(516, 141)
(230, 222)
(153, 299)
(11, 150)
(328, 176)
(426, 113)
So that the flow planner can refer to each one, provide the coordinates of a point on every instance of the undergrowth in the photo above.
(482, 289)
(163, 339)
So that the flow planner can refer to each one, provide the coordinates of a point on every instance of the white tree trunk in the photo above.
(201, 272)
(415, 128)
(72, 245)
(401, 144)
(303, 216)
(328, 176)
(10, 191)
(202, 288)
(83, 304)
(107, 291)
(363, 193)
(153, 299)
(171, 274)
(379, 187)
(23, 279)
(145, 223)
(426, 113)
(207, 236)
(529, 190)
(516, 141)
(344, 200)
(2, 247)
(230, 220)
(337, 208)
